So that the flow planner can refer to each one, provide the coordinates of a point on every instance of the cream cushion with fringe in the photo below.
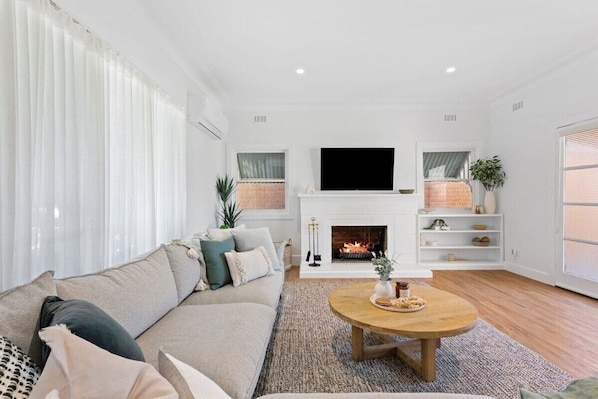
(248, 265)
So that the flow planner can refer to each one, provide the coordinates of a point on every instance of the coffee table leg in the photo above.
(357, 343)
(428, 358)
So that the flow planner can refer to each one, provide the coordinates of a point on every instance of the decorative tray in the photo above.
(397, 309)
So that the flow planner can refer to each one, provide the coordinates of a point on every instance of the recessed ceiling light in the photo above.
(300, 71)
(451, 69)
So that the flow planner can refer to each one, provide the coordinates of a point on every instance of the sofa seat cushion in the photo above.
(136, 294)
(19, 314)
(225, 342)
(263, 290)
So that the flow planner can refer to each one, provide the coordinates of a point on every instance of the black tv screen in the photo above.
(357, 168)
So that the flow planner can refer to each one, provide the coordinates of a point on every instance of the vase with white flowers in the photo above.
(383, 266)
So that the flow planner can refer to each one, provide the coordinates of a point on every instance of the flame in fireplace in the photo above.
(357, 247)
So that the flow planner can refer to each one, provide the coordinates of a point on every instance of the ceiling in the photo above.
(373, 51)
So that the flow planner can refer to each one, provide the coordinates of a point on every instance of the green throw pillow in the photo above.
(91, 323)
(578, 389)
(216, 266)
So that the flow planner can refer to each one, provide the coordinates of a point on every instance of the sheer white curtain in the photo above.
(92, 153)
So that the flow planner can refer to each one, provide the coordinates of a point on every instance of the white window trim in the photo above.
(263, 214)
(475, 147)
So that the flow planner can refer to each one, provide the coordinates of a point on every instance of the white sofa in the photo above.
(223, 333)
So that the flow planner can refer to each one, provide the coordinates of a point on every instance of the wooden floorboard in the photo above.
(560, 325)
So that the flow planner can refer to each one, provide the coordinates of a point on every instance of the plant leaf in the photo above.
(225, 187)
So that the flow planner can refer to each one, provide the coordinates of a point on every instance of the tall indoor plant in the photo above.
(488, 171)
(229, 212)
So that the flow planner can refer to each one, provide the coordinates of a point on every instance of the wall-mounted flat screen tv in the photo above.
(370, 169)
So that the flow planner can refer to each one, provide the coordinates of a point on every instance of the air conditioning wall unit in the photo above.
(204, 113)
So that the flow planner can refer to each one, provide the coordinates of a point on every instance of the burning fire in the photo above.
(357, 247)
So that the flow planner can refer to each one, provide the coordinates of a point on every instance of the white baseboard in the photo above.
(543, 277)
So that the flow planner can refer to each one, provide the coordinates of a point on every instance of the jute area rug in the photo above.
(310, 351)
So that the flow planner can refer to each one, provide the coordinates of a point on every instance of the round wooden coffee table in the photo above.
(445, 315)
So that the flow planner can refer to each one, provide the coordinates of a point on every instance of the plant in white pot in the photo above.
(488, 171)
(383, 266)
(229, 213)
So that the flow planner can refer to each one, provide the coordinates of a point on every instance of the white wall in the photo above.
(205, 160)
(526, 141)
(307, 128)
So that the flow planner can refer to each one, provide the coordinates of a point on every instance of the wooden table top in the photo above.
(445, 314)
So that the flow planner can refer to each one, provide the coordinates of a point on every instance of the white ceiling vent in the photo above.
(203, 113)
(259, 118)
(517, 106)
(450, 118)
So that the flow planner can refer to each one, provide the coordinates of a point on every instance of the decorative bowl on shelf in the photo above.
(481, 242)
(480, 227)
(406, 191)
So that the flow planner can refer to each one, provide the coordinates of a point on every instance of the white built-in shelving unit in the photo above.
(436, 246)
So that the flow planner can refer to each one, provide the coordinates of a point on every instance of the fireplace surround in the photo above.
(397, 212)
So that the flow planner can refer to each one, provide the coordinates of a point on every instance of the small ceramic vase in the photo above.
(383, 289)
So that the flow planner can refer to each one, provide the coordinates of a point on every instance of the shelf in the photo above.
(461, 264)
(481, 232)
(457, 241)
(460, 247)
(459, 215)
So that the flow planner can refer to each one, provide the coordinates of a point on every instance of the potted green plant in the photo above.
(383, 266)
(229, 212)
(488, 171)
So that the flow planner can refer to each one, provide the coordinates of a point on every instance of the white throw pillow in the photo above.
(188, 382)
(248, 239)
(249, 265)
(223, 234)
(77, 368)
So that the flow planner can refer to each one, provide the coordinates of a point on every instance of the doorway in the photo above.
(577, 241)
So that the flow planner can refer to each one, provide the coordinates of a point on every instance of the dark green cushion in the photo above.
(216, 266)
(91, 323)
(578, 389)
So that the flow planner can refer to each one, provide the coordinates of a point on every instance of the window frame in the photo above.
(476, 150)
(233, 170)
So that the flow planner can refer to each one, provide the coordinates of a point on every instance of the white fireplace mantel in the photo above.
(396, 211)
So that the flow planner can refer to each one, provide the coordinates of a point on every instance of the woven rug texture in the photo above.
(310, 351)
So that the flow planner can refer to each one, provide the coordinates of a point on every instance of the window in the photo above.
(444, 175)
(447, 182)
(262, 176)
